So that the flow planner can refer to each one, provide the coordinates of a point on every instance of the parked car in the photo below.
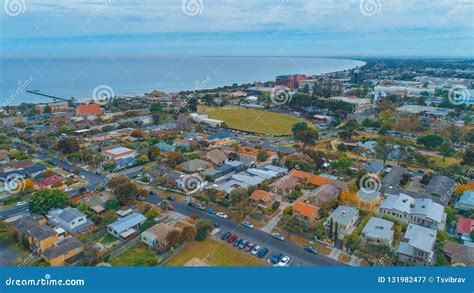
(255, 250)
(216, 225)
(170, 208)
(284, 261)
(200, 207)
(222, 215)
(243, 244)
(249, 247)
(247, 224)
(211, 211)
(311, 249)
(97, 173)
(20, 203)
(171, 198)
(152, 192)
(276, 258)
(237, 242)
(232, 238)
(278, 236)
(225, 236)
(262, 253)
(69, 189)
(191, 204)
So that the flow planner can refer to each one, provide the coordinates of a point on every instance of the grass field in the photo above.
(215, 254)
(136, 256)
(257, 121)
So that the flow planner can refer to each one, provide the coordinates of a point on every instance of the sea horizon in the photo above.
(127, 76)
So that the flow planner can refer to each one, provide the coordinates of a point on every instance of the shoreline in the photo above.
(139, 92)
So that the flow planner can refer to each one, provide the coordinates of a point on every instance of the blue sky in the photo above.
(367, 28)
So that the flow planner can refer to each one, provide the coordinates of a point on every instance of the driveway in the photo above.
(8, 255)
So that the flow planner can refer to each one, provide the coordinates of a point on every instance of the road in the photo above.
(299, 257)
(13, 211)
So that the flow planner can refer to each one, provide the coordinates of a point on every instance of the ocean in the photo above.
(78, 77)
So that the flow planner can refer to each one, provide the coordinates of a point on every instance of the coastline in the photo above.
(219, 74)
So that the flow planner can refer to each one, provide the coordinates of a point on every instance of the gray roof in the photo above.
(30, 225)
(400, 203)
(373, 166)
(379, 228)
(69, 214)
(62, 247)
(394, 176)
(440, 185)
(344, 215)
(429, 208)
(128, 222)
(421, 238)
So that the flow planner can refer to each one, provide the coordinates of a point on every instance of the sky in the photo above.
(362, 28)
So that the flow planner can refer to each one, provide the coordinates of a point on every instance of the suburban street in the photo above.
(299, 257)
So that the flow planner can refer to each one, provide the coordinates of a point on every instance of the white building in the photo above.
(378, 231)
(361, 105)
(206, 120)
(420, 211)
(417, 245)
(69, 219)
(119, 153)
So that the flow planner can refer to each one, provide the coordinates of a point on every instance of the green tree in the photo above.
(297, 127)
(383, 149)
(431, 141)
(68, 145)
(7, 232)
(445, 149)
(262, 156)
(308, 137)
(44, 200)
(203, 228)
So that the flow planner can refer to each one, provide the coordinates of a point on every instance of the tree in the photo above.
(262, 156)
(308, 137)
(44, 200)
(203, 228)
(297, 127)
(68, 145)
(468, 157)
(445, 149)
(431, 141)
(126, 192)
(383, 148)
(7, 232)
(154, 153)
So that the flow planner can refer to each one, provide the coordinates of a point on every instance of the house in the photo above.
(164, 147)
(306, 212)
(88, 110)
(20, 165)
(459, 254)
(309, 178)
(193, 166)
(156, 236)
(262, 198)
(34, 229)
(442, 187)
(48, 182)
(65, 251)
(420, 211)
(252, 154)
(373, 166)
(220, 139)
(70, 219)
(284, 185)
(323, 194)
(126, 227)
(125, 163)
(466, 201)
(368, 200)
(216, 156)
(35, 170)
(464, 228)
(378, 231)
(417, 245)
(393, 177)
(342, 221)
(119, 153)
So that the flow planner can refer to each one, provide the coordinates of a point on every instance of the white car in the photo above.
(247, 224)
(69, 189)
(222, 215)
(20, 203)
(255, 250)
(284, 261)
(278, 236)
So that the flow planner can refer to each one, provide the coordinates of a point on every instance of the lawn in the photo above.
(215, 254)
(107, 238)
(257, 121)
(136, 256)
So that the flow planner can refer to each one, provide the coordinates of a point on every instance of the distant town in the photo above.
(372, 166)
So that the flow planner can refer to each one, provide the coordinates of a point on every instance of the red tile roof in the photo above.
(260, 195)
(92, 109)
(465, 226)
(313, 179)
(305, 209)
(50, 181)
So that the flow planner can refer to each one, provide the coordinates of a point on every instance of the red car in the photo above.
(232, 238)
